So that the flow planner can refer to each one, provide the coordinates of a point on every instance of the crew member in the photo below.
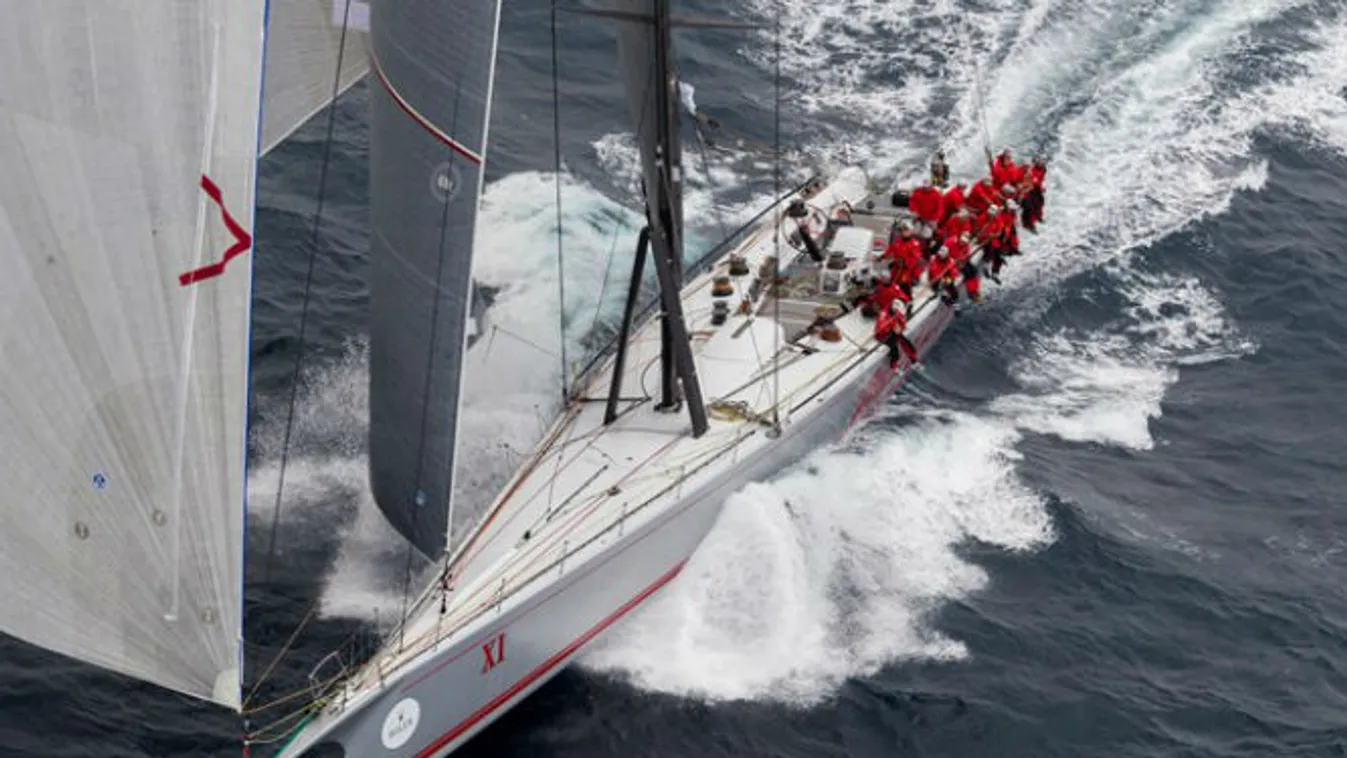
(958, 247)
(1010, 239)
(906, 264)
(939, 169)
(960, 223)
(982, 196)
(886, 294)
(889, 331)
(903, 251)
(992, 239)
(1005, 170)
(927, 204)
(1032, 212)
(972, 277)
(954, 200)
(943, 272)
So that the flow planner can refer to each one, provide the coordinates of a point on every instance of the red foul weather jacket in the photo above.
(1036, 175)
(955, 226)
(889, 323)
(1006, 171)
(885, 294)
(954, 200)
(958, 251)
(982, 196)
(942, 269)
(927, 203)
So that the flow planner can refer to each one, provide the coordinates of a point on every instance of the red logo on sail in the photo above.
(242, 240)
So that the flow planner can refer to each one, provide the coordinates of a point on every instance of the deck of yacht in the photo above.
(588, 483)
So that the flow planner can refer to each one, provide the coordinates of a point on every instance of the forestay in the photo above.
(304, 45)
(431, 97)
(128, 139)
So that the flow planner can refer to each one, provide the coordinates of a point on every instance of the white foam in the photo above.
(1317, 104)
(1153, 147)
(829, 571)
(786, 603)
(327, 488)
(1106, 386)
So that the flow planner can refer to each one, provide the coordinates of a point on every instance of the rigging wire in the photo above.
(776, 238)
(308, 290)
(980, 105)
(561, 259)
(303, 328)
(716, 210)
(607, 270)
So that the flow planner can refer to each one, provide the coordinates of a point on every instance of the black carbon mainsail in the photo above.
(433, 64)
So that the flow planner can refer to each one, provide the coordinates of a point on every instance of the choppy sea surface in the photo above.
(1109, 517)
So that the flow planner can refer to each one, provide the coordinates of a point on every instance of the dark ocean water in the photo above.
(1108, 519)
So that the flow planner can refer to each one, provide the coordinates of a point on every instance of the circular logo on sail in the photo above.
(445, 181)
(401, 723)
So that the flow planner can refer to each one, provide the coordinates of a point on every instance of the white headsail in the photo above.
(304, 44)
(128, 141)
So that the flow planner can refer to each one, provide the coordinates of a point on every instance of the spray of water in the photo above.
(851, 551)
(831, 570)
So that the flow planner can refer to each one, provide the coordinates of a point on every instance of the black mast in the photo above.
(644, 42)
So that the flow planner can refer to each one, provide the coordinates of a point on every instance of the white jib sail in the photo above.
(304, 42)
(128, 141)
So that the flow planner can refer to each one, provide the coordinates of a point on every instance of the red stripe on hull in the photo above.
(549, 664)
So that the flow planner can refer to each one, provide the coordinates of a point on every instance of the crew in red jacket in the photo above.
(1010, 239)
(987, 226)
(927, 204)
(1005, 170)
(972, 279)
(905, 250)
(991, 237)
(1031, 215)
(906, 273)
(886, 294)
(958, 248)
(889, 331)
(959, 224)
(982, 196)
(942, 273)
(954, 200)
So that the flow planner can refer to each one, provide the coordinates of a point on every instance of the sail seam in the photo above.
(421, 120)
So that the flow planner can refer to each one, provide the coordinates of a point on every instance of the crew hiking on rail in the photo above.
(936, 246)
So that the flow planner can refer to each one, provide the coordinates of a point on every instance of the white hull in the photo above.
(603, 517)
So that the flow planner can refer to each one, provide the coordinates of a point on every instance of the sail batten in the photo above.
(122, 400)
